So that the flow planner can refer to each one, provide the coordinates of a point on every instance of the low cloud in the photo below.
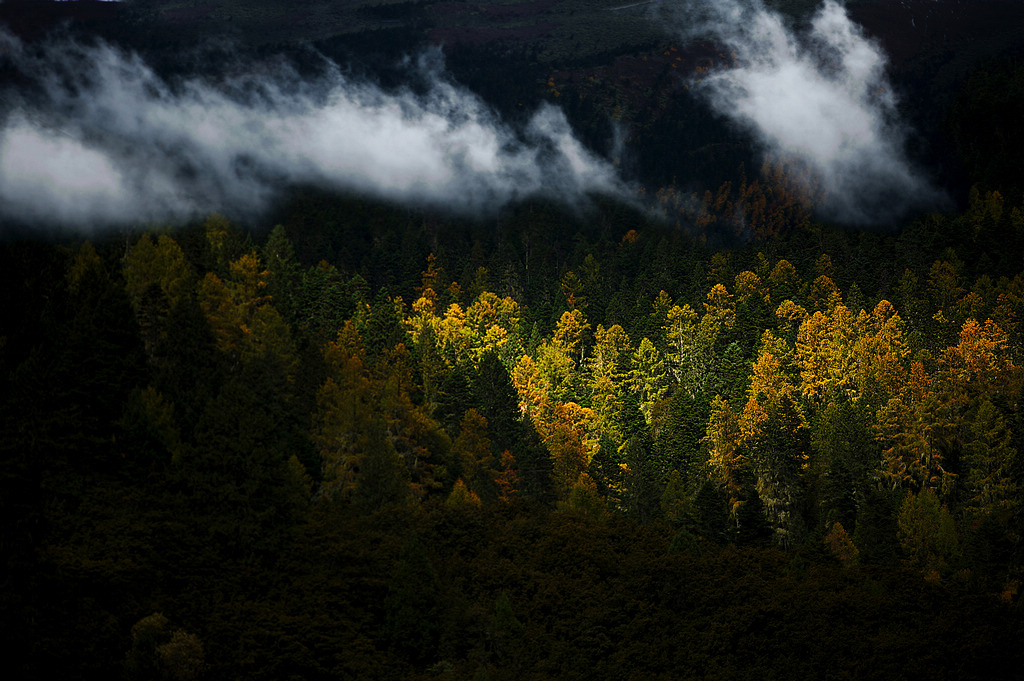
(97, 137)
(814, 97)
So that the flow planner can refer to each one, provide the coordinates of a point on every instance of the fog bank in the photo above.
(99, 138)
(813, 96)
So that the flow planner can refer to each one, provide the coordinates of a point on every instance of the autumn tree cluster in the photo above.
(771, 408)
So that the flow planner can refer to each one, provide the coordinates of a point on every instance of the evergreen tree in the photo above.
(413, 604)
(875, 533)
(284, 280)
(383, 328)
(927, 532)
(236, 469)
(713, 508)
(473, 455)
(679, 424)
(643, 479)
(323, 302)
(989, 460)
(842, 463)
(505, 627)
(383, 478)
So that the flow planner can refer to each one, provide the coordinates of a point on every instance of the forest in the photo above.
(706, 433)
(527, 457)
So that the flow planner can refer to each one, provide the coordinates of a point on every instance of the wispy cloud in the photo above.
(101, 139)
(815, 96)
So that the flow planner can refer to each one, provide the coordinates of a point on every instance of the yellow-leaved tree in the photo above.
(775, 435)
(825, 355)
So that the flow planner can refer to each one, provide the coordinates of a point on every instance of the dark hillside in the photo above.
(619, 73)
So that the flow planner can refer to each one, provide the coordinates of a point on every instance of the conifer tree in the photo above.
(383, 478)
(413, 603)
(647, 377)
(989, 460)
(472, 453)
(284, 275)
(927, 533)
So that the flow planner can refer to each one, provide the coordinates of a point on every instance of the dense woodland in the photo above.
(549, 446)
(704, 436)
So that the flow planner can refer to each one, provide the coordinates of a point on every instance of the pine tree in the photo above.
(927, 533)
(382, 330)
(471, 451)
(842, 464)
(989, 460)
(284, 276)
(323, 301)
(642, 483)
(505, 627)
(236, 466)
(413, 603)
(383, 478)
(647, 377)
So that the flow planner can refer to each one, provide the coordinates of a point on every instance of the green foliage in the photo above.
(927, 533)
(150, 433)
(584, 501)
(235, 468)
(188, 369)
(714, 509)
(505, 630)
(162, 264)
(505, 623)
(684, 542)
(157, 652)
(284, 282)
(647, 377)
(676, 505)
(382, 479)
(643, 480)
(679, 423)
(413, 603)
(462, 496)
(875, 532)
(382, 329)
(989, 459)
(323, 301)
(842, 463)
